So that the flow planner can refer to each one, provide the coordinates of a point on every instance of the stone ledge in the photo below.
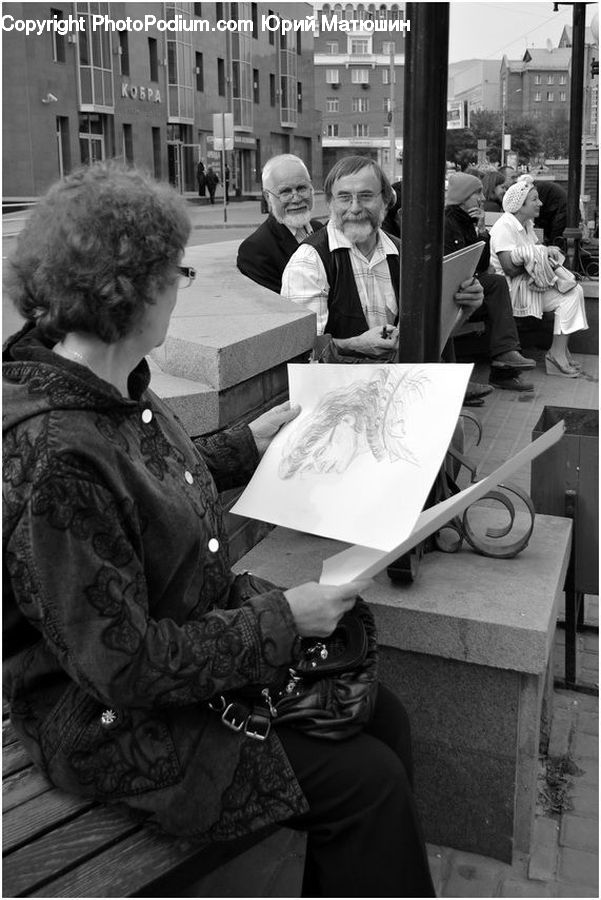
(490, 612)
(226, 329)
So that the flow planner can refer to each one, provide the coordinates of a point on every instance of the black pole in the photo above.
(572, 233)
(422, 216)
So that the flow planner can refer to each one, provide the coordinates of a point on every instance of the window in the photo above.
(360, 76)
(299, 96)
(256, 94)
(198, 9)
(272, 89)
(538, 79)
(563, 96)
(550, 96)
(386, 76)
(332, 104)
(199, 70)
(332, 47)
(387, 105)
(360, 46)
(128, 144)
(386, 131)
(58, 40)
(360, 129)
(360, 104)
(221, 77)
(563, 79)
(332, 130)
(219, 11)
(63, 145)
(537, 97)
(388, 47)
(271, 13)
(332, 76)
(124, 52)
(254, 15)
(550, 79)
(156, 152)
(299, 48)
(153, 58)
(172, 62)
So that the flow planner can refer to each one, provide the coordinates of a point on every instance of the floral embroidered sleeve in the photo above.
(231, 456)
(76, 563)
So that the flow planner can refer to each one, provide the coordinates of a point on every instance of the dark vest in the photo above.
(345, 314)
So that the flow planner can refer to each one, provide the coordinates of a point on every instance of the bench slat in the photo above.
(22, 786)
(9, 735)
(56, 853)
(14, 757)
(124, 869)
(29, 820)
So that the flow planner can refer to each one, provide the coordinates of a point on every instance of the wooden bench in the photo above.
(59, 845)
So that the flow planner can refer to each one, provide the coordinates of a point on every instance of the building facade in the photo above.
(359, 81)
(473, 86)
(537, 86)
(142, 82)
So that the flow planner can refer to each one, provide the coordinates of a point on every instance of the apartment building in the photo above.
(141, 82)
(359, 81)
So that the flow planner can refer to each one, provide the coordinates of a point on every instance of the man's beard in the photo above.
(296, 219)
(357, 230)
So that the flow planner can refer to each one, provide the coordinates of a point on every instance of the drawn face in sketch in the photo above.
(365, 417)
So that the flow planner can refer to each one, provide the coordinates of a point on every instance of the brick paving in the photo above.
(564, 857)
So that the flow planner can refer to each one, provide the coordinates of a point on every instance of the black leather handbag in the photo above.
(329, 693)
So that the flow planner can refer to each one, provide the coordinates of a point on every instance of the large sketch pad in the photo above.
(358, 462)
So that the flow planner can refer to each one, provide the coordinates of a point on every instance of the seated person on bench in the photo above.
(122, 619)
(464, 227)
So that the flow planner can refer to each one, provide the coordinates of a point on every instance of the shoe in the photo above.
(513, 359)
(513, 383)
(476, 391)
(554, 368)
(573, 362)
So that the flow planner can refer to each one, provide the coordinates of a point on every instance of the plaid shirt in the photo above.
(305, 281)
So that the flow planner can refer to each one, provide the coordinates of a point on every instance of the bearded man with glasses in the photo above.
(348, 273)
(288, 191)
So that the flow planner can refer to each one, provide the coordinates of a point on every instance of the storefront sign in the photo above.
(140, 92)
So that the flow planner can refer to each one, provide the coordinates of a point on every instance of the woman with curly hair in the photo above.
(493, 187)
(122, 618)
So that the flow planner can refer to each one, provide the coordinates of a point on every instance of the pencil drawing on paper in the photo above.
(363, 417)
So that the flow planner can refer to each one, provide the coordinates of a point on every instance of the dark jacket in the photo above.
(117, 584)
(345, 313)
(264, 254)
(553, 215)
(459, 232)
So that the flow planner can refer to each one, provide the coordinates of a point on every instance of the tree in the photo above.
(460, 141)
(486, 125)
(555, 134)
(526, 139)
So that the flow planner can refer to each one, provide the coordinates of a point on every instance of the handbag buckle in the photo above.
(235, 716)
(257, 726)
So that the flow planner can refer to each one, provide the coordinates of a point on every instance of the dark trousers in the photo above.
(497, 311)
(364, 838)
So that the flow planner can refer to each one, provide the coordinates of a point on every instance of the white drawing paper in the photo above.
(364, 562)
(358, 462)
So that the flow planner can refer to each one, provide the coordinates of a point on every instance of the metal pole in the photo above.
(392, 130)
(223, 166)
(424, 134)
(572, 233)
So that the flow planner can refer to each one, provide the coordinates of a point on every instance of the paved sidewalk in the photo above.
(564, 858)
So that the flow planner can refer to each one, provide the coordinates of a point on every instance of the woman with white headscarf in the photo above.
(537, 280)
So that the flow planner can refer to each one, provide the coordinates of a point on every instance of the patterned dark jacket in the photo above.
(116, 594)
(264, 254)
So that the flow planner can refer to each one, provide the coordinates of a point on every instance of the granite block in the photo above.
(225, 328)
(491, 612)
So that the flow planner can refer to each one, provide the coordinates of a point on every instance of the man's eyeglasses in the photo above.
(186, 275)
(364, 198)
(303, 191)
